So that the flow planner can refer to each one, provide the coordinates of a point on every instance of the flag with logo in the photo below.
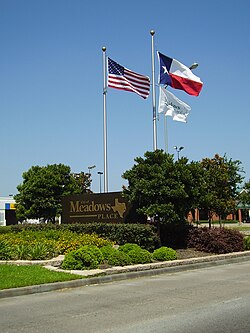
(172, 106)
(123, 78)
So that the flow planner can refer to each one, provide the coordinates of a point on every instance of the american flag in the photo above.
(122, 78)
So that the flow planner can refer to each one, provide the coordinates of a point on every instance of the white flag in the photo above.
(171, 106)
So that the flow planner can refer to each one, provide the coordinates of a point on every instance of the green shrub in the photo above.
(121, 233)
(33, 251)
(34, 227)
(136, 254)
(126, 248)
(164, 254)
(140, 256)
(53, 234)
(143, 235)
(118, 258)
(22, 252)
(86, 257)
(70, 241)
(5, 250)
(72, 261)
(45, 244)
(107, 251)
(126, 254)
(246, 243)
(5, 229)
(39, 251)
(115, 257)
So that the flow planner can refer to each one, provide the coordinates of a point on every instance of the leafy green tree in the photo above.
(163, 188)
(83, 182)
(244, 195)
(222, 178)
(42, 189)
(244, 199)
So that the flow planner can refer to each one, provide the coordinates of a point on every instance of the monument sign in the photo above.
(102, 207)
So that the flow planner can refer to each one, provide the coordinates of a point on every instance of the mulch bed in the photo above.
(191, 253)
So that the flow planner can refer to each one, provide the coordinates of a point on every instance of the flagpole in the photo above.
(166, 133)
(152, 32)
(166, 130)
(105, 171)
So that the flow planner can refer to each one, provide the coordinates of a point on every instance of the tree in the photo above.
(244, 195)
(83, 182)
(244, 199)
(162, 188)
(222, 178)
(42, 189)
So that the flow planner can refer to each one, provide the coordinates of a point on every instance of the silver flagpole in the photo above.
(153, 91)
(165, 133)
(105, 171)
(166, 130)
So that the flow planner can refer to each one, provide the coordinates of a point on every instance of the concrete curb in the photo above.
(52, 262)
(131, 272)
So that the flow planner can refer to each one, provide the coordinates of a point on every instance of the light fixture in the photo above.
(178, 150)
(91, 167)
(194, 65)
(100, 173)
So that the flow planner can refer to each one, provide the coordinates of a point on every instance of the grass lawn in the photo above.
(12, 276)
(219, 222)
(242, 228)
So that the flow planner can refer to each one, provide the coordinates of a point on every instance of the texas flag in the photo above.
(178, 76)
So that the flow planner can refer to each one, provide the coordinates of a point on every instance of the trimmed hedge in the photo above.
(181, 235)
(136, 253)
(215, 240)
(91, 257)
(86, 257)
(246, 243)
(164, 254)
(143, 235)
(140, 256)
(126, 248)
(5, 229)
(118, 258)
(114, 257)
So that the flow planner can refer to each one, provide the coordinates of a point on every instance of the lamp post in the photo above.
(100, 173)
(178, 151)
(90, 168)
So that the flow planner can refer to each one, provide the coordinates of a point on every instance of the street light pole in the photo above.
(178, 151)
(100, 173)
(90, 168)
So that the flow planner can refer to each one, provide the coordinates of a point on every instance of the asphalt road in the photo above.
(214, 300)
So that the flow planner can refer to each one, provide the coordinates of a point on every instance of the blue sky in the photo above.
(51, 82)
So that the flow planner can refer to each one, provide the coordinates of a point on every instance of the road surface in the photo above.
(214, 300)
